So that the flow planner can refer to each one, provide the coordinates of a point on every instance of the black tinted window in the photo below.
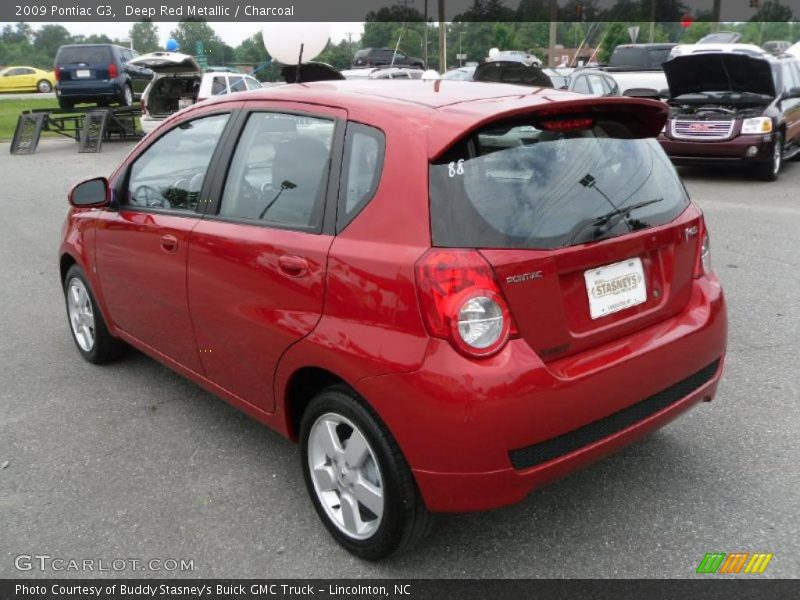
(170, 173)
(279, 171)
(524, 187)
(84, 54)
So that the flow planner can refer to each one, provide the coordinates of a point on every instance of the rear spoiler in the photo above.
(644, 117)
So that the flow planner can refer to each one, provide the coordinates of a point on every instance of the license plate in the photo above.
(615, 287)
(83, 73)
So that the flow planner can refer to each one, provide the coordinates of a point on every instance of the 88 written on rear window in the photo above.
(519, 186)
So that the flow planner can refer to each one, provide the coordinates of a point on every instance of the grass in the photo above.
(11, 108)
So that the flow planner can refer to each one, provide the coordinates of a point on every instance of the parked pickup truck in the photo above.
(637, 68)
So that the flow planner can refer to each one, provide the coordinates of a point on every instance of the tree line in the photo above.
(487, 24)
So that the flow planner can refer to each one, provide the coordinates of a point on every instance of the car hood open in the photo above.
(167, 62)
(719, 71)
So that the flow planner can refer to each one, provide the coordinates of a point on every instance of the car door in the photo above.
(17, 79)
(256, 272)
(142, 247)
(791, 106)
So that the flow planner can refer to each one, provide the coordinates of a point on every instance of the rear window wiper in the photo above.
(608, 220)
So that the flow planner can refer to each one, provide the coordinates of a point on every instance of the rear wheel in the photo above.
(770, 170)
(126, 99)
(359, 482)
(89, 330)
(44, 86)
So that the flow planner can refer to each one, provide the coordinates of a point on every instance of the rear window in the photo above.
(84, 54)
(519, 186)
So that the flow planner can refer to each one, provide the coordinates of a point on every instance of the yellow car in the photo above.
(26, 79)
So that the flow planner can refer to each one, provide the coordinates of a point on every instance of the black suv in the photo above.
(98, 73)
(379, 57)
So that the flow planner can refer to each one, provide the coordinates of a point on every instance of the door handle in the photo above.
(169, 244)
(293, 266)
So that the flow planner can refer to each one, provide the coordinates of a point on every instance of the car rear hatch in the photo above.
(511, 71)
(581, 215)
(167, 62)
(85, 63)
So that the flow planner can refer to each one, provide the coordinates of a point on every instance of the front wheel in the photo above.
(86, 323)
(359, 482)
(770, 170)
(44, 86)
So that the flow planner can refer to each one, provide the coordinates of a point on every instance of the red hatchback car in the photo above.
(449, 293)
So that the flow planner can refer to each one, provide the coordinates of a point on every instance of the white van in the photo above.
(180, 82)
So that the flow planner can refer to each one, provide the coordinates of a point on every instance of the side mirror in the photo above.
(792, 93)
(92, 193)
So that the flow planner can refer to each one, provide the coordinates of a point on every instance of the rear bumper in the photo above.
(733, 151)
(470, 438)
(88, 91)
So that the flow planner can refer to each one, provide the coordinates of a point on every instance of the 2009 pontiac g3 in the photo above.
(448, 293)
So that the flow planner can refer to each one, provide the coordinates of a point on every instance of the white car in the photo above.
(684, 49)
(180, 82)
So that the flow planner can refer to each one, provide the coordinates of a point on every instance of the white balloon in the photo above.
(494, 52)
(282, 40)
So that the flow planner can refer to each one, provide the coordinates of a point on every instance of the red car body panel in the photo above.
(230, 317)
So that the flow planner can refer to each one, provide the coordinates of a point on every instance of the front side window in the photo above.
(522, 186)
(218, 86)
(252, 84)
(280, 170)
(169, 174)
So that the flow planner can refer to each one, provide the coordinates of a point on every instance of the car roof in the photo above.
(656, 46)
(447, 109)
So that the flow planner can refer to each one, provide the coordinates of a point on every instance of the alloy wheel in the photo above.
(81, 314)
(346, 476)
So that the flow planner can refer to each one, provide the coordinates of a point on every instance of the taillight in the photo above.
(703, 260)
(57, 73)
(112, 71)
(462, 303)
(143, 104)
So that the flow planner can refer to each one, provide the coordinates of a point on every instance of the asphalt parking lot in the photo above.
(133, 461)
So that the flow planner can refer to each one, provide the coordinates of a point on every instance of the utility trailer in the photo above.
(88, 126)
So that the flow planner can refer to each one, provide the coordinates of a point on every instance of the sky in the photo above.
(230, 33)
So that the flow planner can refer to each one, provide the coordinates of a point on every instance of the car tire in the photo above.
(126, 98)
(66, 104)
(44, 87)
(387, 514)
(771, 169)
(86, 322)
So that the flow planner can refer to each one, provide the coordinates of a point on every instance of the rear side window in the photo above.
(237, 84)
(361, 171)
(279, 171)
(84, 54)
(581, 85)
(519, 186)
